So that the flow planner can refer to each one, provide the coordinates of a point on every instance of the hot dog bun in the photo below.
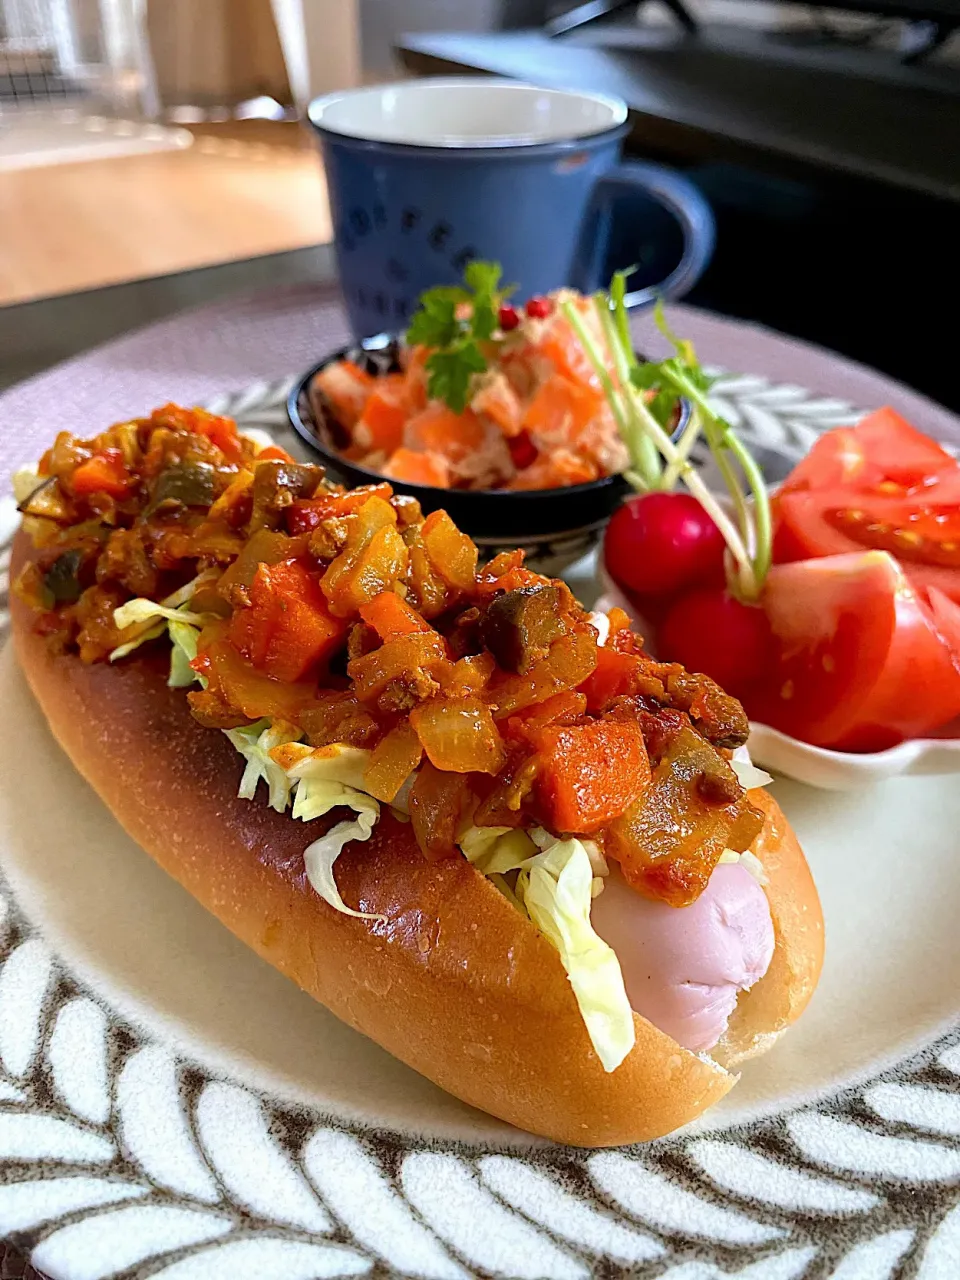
(456, 983)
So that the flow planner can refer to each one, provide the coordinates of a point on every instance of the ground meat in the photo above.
(361, 640)
(404, 692)
(717, 716)
(719, 785)
(463, 634)
(94, 612)
(210, 709)
(659, 725)
(125, 560)
(329, 539)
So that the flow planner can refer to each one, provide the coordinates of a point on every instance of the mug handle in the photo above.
(689, 206)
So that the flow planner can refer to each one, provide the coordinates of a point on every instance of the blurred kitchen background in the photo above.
(150, 138)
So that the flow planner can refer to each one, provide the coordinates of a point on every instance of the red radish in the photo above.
(508, 317)
(709, 631)
(539, 308)
(662, 543)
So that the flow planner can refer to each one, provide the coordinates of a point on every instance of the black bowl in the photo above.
(554, 527)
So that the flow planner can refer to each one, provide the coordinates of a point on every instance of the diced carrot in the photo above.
(286, 630)
(455, 436)
(222, 432)
(561, 410)
(589, 773)
(390, 616)
(419, 468)
(566, 706)
(499, 402)
(614, 676)
(346, 387)
(219, 431)
(106, 472)
(554, 471)
(273, 453)
(381, 425)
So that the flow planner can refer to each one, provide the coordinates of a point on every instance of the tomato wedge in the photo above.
(882, 449)
(863, 661)
(879, 486)
(922, 530)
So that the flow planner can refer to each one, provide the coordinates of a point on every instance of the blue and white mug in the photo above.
(426, 175)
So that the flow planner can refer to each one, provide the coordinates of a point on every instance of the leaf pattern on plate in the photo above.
(117, 1158)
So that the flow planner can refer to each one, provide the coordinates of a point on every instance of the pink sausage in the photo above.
(683, 967)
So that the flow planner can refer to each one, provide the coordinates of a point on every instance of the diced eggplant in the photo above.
(519, 626)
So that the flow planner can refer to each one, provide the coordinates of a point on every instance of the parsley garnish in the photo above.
(651, 376)
(454, 321)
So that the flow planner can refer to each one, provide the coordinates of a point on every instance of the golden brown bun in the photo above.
(456, 982)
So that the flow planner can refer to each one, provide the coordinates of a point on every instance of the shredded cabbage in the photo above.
(153, 617)
(749, 861)
(122, 650)
(327, 778)
(318, 779)
(497, 850)
(556, 889)
(184, 638)
(503, 884)
(143, 610)
(320, 856)
(336, 763)
(255, 742)
(748, 775)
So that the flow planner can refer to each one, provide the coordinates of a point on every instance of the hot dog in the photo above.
(475, 821)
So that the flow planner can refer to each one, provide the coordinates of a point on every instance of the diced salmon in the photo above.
(561, 411)
(498, 401)
(346, 388)
(419, 468)
(602, 444)
(415, 373)
(554, 471)
(439, 430)
(560, 346)
(385, 413)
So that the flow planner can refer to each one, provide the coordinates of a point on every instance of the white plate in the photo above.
(171, 1107)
